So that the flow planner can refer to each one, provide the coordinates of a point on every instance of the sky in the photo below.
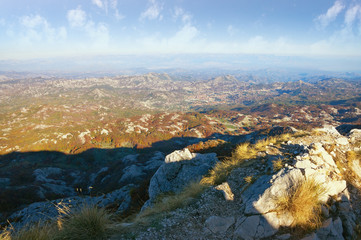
(32, 29)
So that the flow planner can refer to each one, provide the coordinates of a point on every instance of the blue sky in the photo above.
(52, 28)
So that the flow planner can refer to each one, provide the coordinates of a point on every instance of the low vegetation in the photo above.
(277, 164)
(89, 223)
(242, 153)
(170, 202)
(302, 202)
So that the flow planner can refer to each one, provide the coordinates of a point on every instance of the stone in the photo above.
(41, 175)
(304, 164)
(131, 172)
(284, 236)
(248, 228)
(337, 228)
(226, 190)
(330, 130)
(325, 229)
(325, 211)
(342, 141)
(219, 224)
(155, 162)
(355, 135)
(330, 230)
(311, 236)
(255, 227)
(180, 169)
(262, 201)
(179, 155)
(334, 188)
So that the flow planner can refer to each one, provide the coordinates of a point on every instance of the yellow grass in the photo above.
(89, 223)
(249, 179)
(33, 232)
(302, 202)
(243, 152)
(167, 203)
(277, 164)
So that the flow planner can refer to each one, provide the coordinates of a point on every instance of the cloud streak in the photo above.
(325, 19)
(153, 12)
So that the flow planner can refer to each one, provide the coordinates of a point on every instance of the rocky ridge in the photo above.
(243, 209)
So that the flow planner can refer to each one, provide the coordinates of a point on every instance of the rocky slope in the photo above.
(243, 209)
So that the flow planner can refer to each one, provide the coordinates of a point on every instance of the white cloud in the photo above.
(351, 14)
(38, 28)
(325, 19)
(98, 3)
(33, 21)
(98, 32)
(76, 17)
(153, 11)
(179, 13)
(185, 35)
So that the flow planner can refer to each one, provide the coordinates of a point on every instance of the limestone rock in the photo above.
(219, 224)
(131, 172)
(355, 135)
(259, 197)
(179, 155)
(226, 190)
(254, 227)
(179, 169)
(330, 230)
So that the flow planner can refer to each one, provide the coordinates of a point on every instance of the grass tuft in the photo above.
(302, 202)
(277, 164)
(32, 232)
(249, 179)
(89, 223)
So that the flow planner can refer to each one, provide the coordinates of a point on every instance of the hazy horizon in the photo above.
(321, 35)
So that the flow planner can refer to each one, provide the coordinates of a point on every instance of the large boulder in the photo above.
(178, 170)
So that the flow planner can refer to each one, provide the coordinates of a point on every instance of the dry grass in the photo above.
(277, 164)
(352, 155)
(167, 203)
(241, 153)
(249, 179)
(89, 223)
(317, 132)
(301, 201)
(29, 232)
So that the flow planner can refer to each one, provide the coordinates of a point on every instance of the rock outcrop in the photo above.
(239, 209)
(178, 170)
